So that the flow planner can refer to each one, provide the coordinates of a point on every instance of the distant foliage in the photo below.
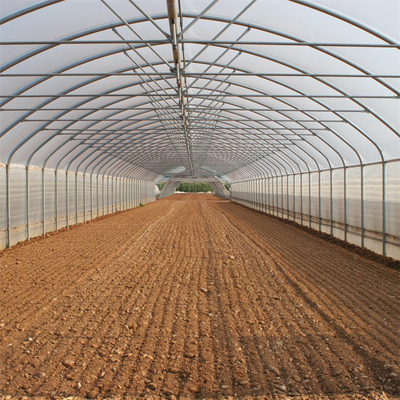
(194, 187)
(161, 185)
(227, 186)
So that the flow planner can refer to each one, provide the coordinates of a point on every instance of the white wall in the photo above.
(68, 200)
(357, 204)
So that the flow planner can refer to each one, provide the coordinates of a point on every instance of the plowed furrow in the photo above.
(352, 300)
(195, 297)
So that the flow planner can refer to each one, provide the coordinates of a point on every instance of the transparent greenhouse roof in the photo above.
(199, 88)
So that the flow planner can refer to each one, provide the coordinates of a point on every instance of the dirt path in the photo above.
(196, 299)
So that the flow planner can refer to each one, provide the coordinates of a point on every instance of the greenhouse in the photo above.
(288, 109)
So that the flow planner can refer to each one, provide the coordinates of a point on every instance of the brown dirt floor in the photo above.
(196, 297)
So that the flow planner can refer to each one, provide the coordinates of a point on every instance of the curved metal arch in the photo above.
(291, 158)
(28, 10)
(298, 40)
(133, 109)
(292, 129)
(274, 32)
(348, 20)
(280, 83)
(269, 79)
(221, 140)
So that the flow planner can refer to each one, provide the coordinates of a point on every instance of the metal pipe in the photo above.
(195, 41)
(123, 74)
(27, 204)
(56, 196)
(43, 200)
(8, 191)
(383, 209)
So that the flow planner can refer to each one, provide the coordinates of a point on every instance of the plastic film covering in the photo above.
(294, 102)
(53, 203)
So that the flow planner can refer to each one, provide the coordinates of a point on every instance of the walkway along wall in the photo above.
(359, 204)
(42, 201)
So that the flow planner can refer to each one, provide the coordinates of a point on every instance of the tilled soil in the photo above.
(196, 297)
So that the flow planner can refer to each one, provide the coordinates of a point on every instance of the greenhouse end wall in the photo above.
(44, 201)
(359, 204)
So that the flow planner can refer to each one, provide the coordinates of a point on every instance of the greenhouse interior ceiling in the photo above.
(293, 103)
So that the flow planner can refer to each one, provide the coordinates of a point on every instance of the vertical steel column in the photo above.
(294, 197)
(277, 195)
(331, 200)
(28, 236)
(254, 184)
(255, 189)
(345, 201)
(248, 193)
(124, 193)
(97, 196)
(256, 193)
(282, 198)
(56, 195)
(84, 198)
(126, 197)
(76, 197)
(384, 207)
(263, 195)
(8, 191)
(252, 194)
(117, 194)
(103, 196)
(91, 195)
(43, 201)
(287, 198)
(67, 197)
(309, 198)
(275, 205)
(108, 195)
(362, 208)
(301, 198)
(319, 200)
(130, 192)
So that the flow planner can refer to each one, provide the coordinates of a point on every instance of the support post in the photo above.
(43, 200)
(362, 208)
(383, 208)
(8, 193)
(345, 201)
(67, 197)
(56, 196)
(28, 232)
(76, 197)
